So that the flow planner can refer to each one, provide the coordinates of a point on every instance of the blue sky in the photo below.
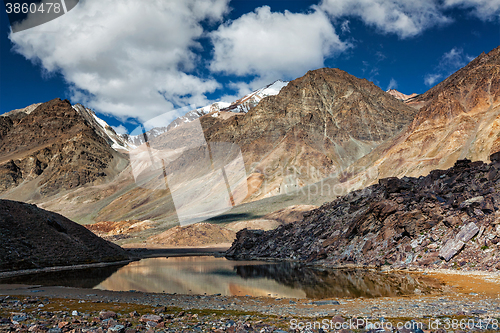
(132, 60)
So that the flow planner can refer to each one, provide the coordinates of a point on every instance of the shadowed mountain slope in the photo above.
(35, 238)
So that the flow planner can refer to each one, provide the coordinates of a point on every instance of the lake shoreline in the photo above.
(450, 303)
(135, 255)
(468, 293)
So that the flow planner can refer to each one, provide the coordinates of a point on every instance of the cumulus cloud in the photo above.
(454, 60)
(449, 63)
(408, 18)
(404, 18)
(124, 57)
(488, 10)
(274, 45)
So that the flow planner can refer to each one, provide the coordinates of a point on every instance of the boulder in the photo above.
(495, 157)
(467, 232)
(450, 249)
(474, 202)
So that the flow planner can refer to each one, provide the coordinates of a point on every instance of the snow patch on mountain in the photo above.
(127, 142)
(400, 95)
(116, 141)
(244, 104)
(138, 140)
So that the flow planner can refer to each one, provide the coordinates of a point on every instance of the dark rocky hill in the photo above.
(35, 238)
(448, 219)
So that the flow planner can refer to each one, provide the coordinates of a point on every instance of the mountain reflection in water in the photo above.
(209, 275)
(195, 275)
(79, 278)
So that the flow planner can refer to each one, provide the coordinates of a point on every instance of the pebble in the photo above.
(255, 317)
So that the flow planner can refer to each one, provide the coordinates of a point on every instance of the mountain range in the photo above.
(458, 118)
(327, 128)
(241, 105)
(316, 126)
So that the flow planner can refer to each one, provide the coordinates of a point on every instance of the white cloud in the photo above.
(406, 18)
(344, 27)
(393, 84)
(453, 60)
(132, 58)
(449, 63)
(124, 57)
(274, 45)
(488, 10)
(120, 129)
(431, 79)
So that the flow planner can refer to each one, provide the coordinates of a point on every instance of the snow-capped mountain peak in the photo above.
(400, 95)
(128, 142)
(116, 141)
(247, 102)
(242, 105)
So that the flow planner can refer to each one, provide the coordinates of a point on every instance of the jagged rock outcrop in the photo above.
(18, 114)
(317, 125)
(447, 219)
(35, 238)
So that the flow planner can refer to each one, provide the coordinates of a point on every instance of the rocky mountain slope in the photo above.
(200, 234)
(314, 126)
(107, 229)
(138, 140)
(51, 149)
(324, 124)
(52, 152)
(66, 159)
(317, 125)
(458, 118)
(35, 238)
(448, 219)
(244, 104)
(241, 105)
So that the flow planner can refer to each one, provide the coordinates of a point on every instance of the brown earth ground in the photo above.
(195, 235)
(198, 234)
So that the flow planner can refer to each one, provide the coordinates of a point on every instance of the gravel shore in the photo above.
(61, 309)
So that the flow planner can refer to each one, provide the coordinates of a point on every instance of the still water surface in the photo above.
(209, 275)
